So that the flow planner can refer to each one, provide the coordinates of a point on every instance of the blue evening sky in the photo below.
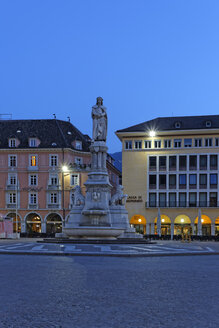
(146, 58)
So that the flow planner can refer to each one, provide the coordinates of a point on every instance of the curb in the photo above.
(105, 254)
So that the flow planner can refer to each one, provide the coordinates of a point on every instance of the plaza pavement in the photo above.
(109, 292)
(160, 248)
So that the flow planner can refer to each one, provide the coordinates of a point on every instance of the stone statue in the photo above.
(119, 198)
(78, 198)
(99, 117)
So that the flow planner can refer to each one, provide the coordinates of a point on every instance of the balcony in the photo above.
(11, 206)
(11, 187)
(32, 168)
(33, 206)
(53, 187)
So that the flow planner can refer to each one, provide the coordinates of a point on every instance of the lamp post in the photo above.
(64, 170)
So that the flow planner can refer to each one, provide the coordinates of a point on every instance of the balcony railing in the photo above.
(56, 206)
(186, 204)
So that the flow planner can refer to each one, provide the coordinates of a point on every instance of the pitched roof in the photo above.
(52, 133)
(169, 124)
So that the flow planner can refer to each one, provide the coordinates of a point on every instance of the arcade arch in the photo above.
(139, 223)
(53, 223)
(165, 225)
(33, 223)
(182, 225)
(206, 225)
(16, 221)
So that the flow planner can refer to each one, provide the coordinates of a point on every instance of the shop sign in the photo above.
(134, 199)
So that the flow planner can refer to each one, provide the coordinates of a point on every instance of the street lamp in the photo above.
(64, 170)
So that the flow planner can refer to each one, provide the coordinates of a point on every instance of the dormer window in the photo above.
(208, 124)
(177, 125)
(78, 145)
(12, 142)
(32, 142)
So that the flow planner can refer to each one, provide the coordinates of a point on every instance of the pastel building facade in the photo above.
(171, 164)
(41, 161)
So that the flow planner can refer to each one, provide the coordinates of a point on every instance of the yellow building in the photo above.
(171, 164)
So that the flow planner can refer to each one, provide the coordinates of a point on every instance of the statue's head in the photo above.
(99, 101)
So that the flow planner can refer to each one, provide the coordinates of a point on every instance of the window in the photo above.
(182, 163)
(138, 144)
(177, 143)
(217, 142)
(203, 162)
(128, 144)
(167, 143)
(32, 142)
(152, 163)
(162, 181)
(187, 142)
(172, 181)
(54, 180)
(12, 142)
(78, 160)
(33, 180)
(202, 199)
(182, 181)
(208, 142)
(203, 181)
(53, 198)
(33, 160)
(152, 200)
(12, 179)
(12, 160)
(147, 144)
(74, 179)
(172, 163)
(152, 181)
(213, 162)
(192, 180)
(213, 199)
(177, 125)
(78, 145)
(192, 199)
(162, 163)
(33, 198)
(172, 199)
(162, 200)
(193, 162)
(182, 199)
(198, 142)
(208, 124)
(213, 180)
(157, 143)
(53, 160)
(12, 198)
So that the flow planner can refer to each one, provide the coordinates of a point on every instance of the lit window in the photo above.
(33, 160)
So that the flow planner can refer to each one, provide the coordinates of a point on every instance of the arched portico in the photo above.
(16, 221)
(165, 225)
(53, 223)
(182, 225)
(217, 226)
(206, 225)
(33, 223)
(139, 223)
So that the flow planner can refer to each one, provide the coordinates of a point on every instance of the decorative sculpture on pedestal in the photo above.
(97, 215)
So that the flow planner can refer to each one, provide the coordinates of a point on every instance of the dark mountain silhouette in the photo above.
(118, 160)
